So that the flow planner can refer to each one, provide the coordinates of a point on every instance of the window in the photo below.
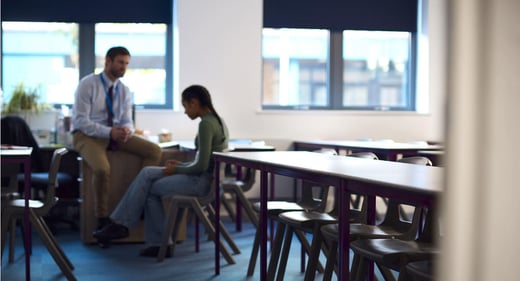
(146, 74)
(299, 66)
(295, 76)
(376, 70)
(46, 56)
(42, 56)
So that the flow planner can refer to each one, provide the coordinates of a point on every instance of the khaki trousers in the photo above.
(93, 152)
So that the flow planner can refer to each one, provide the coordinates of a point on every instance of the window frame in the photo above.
(335, 78)
(87, 62)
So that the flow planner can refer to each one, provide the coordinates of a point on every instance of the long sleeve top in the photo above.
(210, 137)
(90, 109)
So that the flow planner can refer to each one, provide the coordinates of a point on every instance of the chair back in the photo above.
(16, 131)
(366, 155)
(50, 198)
(210, 197)
(314, 196)
(358, 212)
(430, 231)
(393, 216)
(249, 179)
(418, 160)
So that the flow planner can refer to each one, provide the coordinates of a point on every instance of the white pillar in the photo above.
(481, 206)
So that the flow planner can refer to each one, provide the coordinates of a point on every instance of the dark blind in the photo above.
(88, 11)
(385, 15)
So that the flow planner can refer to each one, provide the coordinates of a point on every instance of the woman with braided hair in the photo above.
(175, 178)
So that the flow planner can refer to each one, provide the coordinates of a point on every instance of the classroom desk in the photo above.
(22, 156)
(384, 150)
(412, 183)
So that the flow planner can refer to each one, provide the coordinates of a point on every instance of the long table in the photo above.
(385, 150)
(412, 183)
(22, 155)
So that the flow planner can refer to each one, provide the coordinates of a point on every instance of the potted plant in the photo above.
(24, 101)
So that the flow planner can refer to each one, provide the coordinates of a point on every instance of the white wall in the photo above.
(220, 47)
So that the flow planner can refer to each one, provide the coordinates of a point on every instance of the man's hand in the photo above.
(120, 133)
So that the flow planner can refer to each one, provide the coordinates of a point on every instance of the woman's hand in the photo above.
(169, 167)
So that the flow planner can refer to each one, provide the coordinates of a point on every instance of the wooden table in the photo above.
(385, 150)
(22, 155)
(414, 183)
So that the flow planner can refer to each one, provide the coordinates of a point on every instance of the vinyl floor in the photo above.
(121, 261)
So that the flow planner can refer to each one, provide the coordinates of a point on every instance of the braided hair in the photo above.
(201, 94)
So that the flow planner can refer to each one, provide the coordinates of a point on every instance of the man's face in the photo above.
(117, 67)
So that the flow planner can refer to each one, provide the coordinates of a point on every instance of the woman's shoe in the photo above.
(110, 232)
(153, 251)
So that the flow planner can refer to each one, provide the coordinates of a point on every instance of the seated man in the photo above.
(103, 120)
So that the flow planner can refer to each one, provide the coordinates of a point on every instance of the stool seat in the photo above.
(420, 270)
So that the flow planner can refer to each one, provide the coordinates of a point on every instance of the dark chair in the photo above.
(14, 209)
(203, 209)
(310, 222)
(313, 198)
(394, 253)
(421, 270)
(234, 190)
(392, 226)
(10, 192)
(15, 131)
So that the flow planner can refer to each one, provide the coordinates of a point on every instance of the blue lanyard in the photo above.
(107, 95)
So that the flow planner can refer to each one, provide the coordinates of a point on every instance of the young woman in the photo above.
(152, 182)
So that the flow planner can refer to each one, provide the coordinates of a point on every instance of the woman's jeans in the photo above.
(145, 194)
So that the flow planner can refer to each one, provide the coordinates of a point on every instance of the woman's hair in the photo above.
(201, 94)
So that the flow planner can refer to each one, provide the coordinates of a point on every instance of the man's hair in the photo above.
(116, 51)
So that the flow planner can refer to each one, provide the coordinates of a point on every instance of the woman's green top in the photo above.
(212, 136)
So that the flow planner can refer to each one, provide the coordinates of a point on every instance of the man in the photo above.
(103, 120)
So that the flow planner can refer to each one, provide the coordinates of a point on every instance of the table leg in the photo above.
(344, 231)
(238, 222)
(263, 225)
(217, 217)
(27, 223)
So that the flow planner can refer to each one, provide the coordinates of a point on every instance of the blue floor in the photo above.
(121, 261)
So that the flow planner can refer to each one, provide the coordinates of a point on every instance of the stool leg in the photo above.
(285, 253)
(331, 261)
(211, 230)
(314, 253)
(12, 238)
(227, 206)
(60, 260)
(169, 231)
(306, 246)
(254, 254)
(225, 233)
(275, 253)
